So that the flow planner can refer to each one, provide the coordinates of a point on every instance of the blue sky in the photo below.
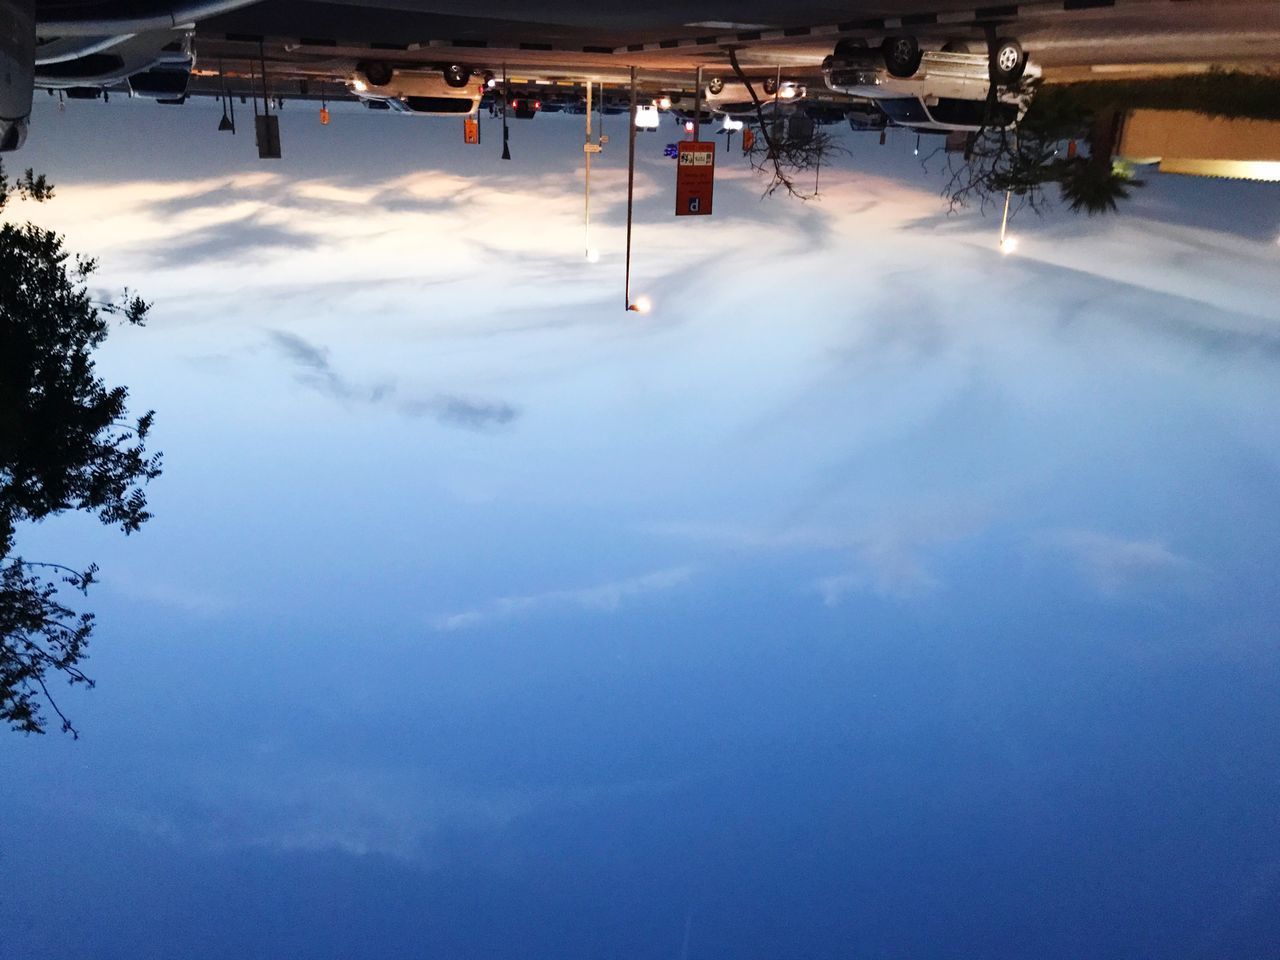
(877, 595)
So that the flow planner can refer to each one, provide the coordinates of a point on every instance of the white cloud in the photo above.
(1114, 564)
(603, 597)
(149, 589)
(890, 556)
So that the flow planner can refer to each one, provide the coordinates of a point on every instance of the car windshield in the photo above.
(972, 113)
(439, 104)
(905, 110)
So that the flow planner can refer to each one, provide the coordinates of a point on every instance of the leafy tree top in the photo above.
(66, 443)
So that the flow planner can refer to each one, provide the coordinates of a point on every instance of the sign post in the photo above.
(695, 178)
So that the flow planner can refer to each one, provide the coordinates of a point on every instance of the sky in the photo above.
(876, 596)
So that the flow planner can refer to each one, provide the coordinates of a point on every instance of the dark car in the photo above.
(524, 108)
(866, 116)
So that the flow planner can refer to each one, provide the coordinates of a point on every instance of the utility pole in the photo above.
(697, 105)
(631, 185)
(587, 150)
(1004, 222)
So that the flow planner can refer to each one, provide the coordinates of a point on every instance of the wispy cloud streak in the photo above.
(604, 597)
(1114, 564)
(316, 370)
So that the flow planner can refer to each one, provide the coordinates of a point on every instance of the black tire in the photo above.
(850, 48)
(901, 55)
(955, 46)
(377, 73)
(457, 75)
(770, 86)
(1008, 61)
(715, 86)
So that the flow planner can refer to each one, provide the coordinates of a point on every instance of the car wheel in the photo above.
(378, 74)
(849, 48)
(457, 75)
(715, 86)
(770, 85)
(955, 46)
(901, 56)
(1008, 61)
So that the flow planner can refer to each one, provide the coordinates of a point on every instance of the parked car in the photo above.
(826, 114)
(451, 90)
(683, 116)
(17, 79)
(866, 115)
(935, 91)
(730, 97)
(523, 107)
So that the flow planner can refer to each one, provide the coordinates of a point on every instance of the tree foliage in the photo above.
(1035, 161)
(781, 154)
(66, 444)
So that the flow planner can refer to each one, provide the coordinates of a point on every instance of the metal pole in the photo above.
(1004, 223)
(586, 200)
(697, 105)
(506, 97)
(631, 183)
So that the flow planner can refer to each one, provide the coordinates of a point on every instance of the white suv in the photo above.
(730, 97)
(453, 90)
(935, 91)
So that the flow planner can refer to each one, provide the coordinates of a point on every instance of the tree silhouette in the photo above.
(66, 443)
(1093, 188)
(781, 153)
(1096, 184)
(1027, 160)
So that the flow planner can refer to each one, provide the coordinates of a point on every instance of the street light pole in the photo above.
(506, 97)
(586, 200)
(631, 185)
(697, 105)
(1006, 244)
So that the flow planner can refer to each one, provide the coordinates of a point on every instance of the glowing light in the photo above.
(641, 305)
(1008, 245)
(593, 255)
(647, 117)
(491, 82)
(786, 93)
(359, 86)
(732, 124)
(664, 103)
(688, 126)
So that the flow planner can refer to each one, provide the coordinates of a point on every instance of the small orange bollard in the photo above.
(324, 116)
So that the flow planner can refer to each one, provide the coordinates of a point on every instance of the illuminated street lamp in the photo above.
(631, 195)
(1008, 244)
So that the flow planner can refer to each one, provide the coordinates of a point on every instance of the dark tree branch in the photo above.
(783, 156)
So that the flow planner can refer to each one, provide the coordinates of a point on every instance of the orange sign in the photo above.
(471, 130)
(695, 178)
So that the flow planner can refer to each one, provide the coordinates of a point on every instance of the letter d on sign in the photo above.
(695, 204)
